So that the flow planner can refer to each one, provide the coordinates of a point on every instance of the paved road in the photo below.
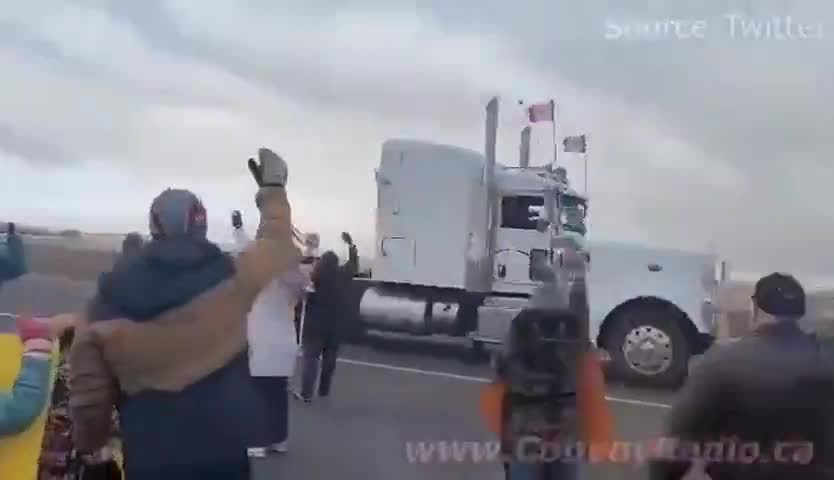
(386, 398)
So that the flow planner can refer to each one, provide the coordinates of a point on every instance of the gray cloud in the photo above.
(33, 149)
(718, 141)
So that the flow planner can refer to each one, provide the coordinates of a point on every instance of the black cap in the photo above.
(780, 294)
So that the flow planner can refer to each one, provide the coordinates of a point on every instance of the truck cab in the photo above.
(462, 242)
(530, 244)
(526, 222)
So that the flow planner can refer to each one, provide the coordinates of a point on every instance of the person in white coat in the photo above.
(272, 346)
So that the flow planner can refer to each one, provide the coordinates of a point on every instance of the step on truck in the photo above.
(459, 238)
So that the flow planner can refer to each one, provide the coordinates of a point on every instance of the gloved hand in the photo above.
(237, 219)
(270, 170)
(35, 335)
(347, 238)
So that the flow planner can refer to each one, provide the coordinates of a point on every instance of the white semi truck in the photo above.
(458, 237)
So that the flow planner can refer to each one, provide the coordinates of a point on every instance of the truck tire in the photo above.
(648, 347)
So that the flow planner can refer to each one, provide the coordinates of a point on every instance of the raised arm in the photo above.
(20, 407)
(351, 267)
(273, 251)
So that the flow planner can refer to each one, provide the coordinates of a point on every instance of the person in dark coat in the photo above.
(164, 340)
(132, 245)
(326, 320)
(768, 397)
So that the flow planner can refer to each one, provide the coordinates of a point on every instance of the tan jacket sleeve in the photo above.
(273, 251)
(92, 392)
(183, 345)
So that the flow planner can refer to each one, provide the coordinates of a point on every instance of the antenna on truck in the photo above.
(491, 189)
(524, 148)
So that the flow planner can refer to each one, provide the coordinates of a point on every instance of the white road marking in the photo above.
(467, 378)
(396, 368)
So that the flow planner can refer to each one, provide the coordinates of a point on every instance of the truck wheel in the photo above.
(648, 347)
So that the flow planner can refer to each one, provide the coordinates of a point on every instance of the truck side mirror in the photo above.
(542, 224)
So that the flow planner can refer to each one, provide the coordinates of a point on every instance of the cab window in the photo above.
(520, 211)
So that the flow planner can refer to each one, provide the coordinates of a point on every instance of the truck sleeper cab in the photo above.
(431, 274)
(455, 254)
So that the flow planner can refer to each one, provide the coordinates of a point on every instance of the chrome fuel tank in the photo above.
(389, 311)
(403, 311)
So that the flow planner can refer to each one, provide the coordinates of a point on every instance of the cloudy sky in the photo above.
(717, 141)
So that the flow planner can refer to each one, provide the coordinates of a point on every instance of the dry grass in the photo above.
(73, 263)
(86, 264)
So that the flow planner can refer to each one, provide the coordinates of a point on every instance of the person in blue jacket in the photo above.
(12, 255)
(24, 403)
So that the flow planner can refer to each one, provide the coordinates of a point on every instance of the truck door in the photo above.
(398, 253)
(395, 257)
(520, 247)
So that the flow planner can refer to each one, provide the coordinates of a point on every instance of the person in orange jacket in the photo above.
(549, 369)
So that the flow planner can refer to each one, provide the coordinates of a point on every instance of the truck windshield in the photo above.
(573, 213)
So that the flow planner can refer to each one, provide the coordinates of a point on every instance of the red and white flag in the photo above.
(541, 112)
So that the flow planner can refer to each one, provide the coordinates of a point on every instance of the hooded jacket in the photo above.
(165, 341)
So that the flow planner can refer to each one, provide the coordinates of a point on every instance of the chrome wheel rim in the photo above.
(648, 350)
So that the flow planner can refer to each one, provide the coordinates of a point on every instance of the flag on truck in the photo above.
(542, 112)
(575, 144)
